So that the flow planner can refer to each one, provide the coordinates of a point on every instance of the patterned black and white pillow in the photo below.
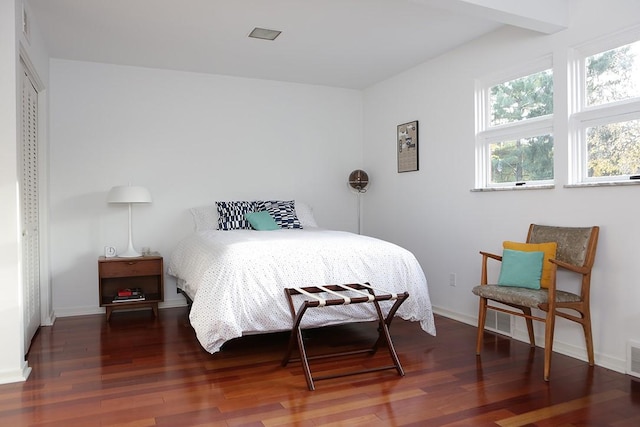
(283, 212)
(261, 205)
(231, 215)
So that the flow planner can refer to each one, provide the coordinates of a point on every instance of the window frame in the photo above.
(486, 134)
(583, 116)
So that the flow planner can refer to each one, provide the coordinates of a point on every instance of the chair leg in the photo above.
(532, 338)
(586, 325)
(548, 342)
(482, 317)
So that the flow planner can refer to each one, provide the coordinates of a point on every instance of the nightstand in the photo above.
(145, 272)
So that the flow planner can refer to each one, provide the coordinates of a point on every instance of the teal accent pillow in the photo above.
(521, 269)
(261, 221)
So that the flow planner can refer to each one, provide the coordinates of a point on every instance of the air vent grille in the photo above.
(264, 34)
(503, 321)
(498, 321)
(633, 358)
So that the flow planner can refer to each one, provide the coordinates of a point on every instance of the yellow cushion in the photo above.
(549, 250)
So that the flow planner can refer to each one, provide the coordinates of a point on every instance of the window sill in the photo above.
(515, 188)
(603, 184)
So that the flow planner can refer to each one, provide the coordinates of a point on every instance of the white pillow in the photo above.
(205, 217)
(305, 215)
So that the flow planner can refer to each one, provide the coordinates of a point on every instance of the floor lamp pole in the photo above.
(358, 201)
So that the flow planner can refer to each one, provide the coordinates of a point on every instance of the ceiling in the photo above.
(341, 43)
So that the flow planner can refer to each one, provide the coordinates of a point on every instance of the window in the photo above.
(514, 138)
(605, 120)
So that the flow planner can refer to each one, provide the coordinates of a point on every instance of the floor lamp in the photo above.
(359, 180)
(129, 194)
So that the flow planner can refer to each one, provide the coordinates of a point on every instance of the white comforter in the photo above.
(236, 279)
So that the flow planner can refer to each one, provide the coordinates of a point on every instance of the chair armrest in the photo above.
(485, 257)
(570, 267)
(490, 255)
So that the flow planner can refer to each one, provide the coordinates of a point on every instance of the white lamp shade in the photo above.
(128, 194)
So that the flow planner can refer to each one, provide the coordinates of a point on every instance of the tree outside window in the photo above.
(517, 136)
(612, 85)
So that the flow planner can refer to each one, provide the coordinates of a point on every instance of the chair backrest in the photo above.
(576, 245)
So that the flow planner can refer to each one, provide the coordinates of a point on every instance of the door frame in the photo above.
(47, 315)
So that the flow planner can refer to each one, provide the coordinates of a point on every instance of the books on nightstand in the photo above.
(129, 295)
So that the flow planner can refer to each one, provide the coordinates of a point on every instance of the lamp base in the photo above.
(130, 253)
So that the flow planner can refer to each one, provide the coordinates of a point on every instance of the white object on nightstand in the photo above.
(129, 194)
(109, 252)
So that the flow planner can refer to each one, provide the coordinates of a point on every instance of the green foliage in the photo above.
(523, 98)
(608, 76)
(613, 149)
(527, 159)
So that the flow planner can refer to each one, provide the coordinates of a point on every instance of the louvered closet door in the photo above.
(29, 209)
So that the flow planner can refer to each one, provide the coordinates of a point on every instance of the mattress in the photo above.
(236, 279)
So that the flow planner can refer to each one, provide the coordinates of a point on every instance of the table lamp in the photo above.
(129, 194)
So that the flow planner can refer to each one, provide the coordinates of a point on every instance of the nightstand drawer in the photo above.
(131, 268)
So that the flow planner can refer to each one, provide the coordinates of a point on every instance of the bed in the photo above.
(236, 277)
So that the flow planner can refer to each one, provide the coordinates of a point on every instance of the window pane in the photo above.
(613, 75)
(614, 149)
(523, 98)
(525, 159)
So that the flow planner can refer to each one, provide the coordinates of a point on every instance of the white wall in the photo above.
(191, 139)
(433, 212)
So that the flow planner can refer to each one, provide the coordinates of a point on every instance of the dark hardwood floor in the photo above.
(139, 371)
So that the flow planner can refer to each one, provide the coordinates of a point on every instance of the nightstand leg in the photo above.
(109, 310)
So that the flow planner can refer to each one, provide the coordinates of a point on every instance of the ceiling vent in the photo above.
(264, 34)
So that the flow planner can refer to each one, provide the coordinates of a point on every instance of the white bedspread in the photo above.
(236, 279)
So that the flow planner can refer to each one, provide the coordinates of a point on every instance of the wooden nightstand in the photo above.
(144, 272)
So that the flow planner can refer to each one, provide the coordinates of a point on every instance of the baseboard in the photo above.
(49, 320)
(84, 311)
(79, 311)
(19, 375)
(469, 320)
(174, 303)
(520, 334)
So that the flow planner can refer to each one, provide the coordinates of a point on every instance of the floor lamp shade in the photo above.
(358, 180)
(129, 194)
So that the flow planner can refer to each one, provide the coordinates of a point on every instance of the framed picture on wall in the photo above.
(407, 146)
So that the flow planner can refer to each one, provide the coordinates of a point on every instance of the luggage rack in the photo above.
(366, 294)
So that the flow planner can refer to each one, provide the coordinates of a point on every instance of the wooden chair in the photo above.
(576, 250)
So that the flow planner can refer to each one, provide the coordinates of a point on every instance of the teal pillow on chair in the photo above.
(261, 221)
(521, 269)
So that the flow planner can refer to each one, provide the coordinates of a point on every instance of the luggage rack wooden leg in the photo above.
(369, 296)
